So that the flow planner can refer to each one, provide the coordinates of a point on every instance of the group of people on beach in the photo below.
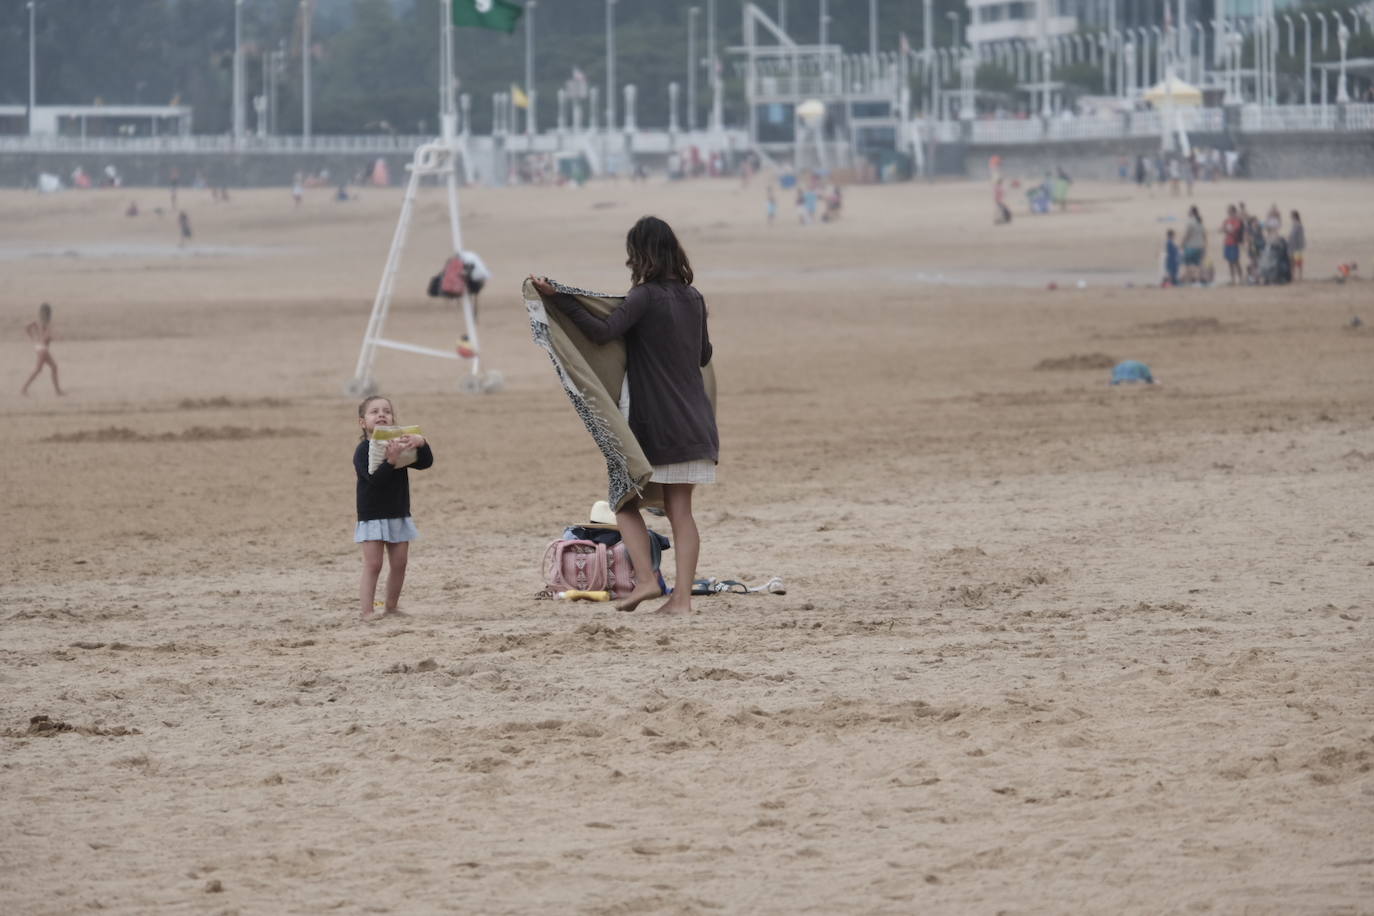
(817, 199)
(1270, 257)
(1179, 171)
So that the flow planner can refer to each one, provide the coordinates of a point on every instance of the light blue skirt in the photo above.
(391, 530)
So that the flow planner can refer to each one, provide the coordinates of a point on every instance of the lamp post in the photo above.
(824, 23)
(610, 64)
(1046, 60)
(33, 70)
(715, 69)
(238, 70)
(1342, 92)
(873, 30)
(953, 17)
(692, 64)
(530, 127)
(305, 68)
(1306, 60)
(967, 68)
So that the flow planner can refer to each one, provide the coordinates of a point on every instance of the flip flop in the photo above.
(773, 586)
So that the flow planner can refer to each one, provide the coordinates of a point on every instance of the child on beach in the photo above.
(384, 522)
(1171, 258)
(1232, 228)
(40, 332)
(663, 322)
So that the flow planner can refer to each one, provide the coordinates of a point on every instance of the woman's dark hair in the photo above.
(1192, 211)
(655, 253)
(1296, 217)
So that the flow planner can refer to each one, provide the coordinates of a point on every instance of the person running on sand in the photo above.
(663, 323)
(40, 332)
(384, 522)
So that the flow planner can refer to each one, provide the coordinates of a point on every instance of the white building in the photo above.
(1028, 20)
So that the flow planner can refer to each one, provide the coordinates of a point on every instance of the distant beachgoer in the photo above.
(1001, 214)
(383, 499)
(1175, 176)
(1232, 230)
(1297, 243)
(40, 332)
(184, 223)
(297, 189)
(1254, 247)
(1060, 188)
(132, 209)
(1194, 246)
(1273, 220)
(1171, 258)
(342, 194)
(771, 206)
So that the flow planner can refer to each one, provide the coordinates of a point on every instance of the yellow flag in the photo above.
(518, 97)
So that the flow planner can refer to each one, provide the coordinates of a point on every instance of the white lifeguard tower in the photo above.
(815, 105)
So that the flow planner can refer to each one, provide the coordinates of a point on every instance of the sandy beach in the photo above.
(1047, 646)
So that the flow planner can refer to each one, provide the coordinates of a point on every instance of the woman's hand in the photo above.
(543, 285)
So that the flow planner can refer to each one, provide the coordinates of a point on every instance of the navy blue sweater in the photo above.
(386, 492)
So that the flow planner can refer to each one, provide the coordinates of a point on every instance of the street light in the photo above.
(1342, 92)
(953, 16)
(692, 64)
(610, 64)
(33, 84)
(238, 70)
(530, 128)
(305, 68)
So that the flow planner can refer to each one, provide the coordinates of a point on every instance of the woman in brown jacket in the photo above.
(663, 323)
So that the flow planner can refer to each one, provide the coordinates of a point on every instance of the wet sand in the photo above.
(1047, 645)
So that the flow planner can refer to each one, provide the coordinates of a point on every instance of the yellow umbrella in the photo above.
(1183, 93)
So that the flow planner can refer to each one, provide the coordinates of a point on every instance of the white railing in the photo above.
(1254, 119)
(1359, 117)
(198, 143)
(1008, 131)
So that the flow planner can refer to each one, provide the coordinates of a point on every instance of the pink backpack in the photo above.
(588, 566)
(454, 280)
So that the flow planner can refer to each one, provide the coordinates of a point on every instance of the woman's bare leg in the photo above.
(677, 501)
(635, 534)
(396, 557)
(372, 569)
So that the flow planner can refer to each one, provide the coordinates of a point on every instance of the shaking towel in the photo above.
(593, 376)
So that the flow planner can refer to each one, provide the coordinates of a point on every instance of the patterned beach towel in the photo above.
(593, 375)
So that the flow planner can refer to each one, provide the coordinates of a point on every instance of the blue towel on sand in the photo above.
(1132, 370)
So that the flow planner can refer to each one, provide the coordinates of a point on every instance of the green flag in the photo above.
(501, 15)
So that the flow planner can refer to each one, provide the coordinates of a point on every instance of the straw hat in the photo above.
(601, 516)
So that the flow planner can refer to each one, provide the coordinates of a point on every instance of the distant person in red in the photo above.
(40, 332)
(1232, 228)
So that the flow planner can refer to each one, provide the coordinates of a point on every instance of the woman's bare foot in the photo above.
(675, 605)
(645, 592)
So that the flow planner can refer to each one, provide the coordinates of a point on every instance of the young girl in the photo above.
(384, 522)
(663, 322)
(40, 332)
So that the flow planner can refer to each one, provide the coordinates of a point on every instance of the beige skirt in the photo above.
(702, 470)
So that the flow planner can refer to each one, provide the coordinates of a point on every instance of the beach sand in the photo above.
(1047, 646)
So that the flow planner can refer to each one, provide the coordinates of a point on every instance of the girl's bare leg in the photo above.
(396, 557)
(677, 501)
(36, 369)
(635, 534)
(56, 387)
(372, 569)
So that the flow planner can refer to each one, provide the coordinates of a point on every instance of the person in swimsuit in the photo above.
(40, 332)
